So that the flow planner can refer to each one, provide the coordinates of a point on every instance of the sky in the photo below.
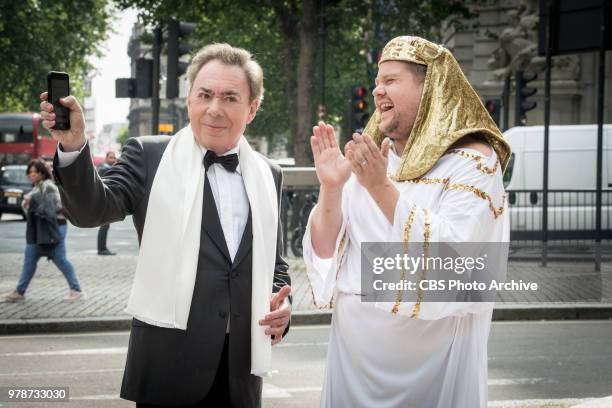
(114, 63)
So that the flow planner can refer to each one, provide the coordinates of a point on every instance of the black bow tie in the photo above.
(230, 162)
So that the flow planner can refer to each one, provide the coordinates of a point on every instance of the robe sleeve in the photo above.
(323, 272)
(472, 208)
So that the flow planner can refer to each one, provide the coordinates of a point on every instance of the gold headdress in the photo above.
(449, 110)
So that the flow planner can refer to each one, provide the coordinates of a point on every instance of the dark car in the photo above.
(14, 184)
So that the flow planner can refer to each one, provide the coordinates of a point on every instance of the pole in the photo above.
(506, 101)
(518, 85)
(546, 134)
(600, 119)
(322, 35)
(157, 42)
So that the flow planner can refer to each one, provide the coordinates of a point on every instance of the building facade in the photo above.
(506, 39)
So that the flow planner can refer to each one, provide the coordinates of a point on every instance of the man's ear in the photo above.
(253, 110)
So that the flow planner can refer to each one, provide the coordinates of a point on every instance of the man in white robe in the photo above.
(428, 168)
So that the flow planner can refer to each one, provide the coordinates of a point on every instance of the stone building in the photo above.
(506, 39)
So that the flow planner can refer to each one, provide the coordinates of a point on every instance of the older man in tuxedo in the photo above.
(210, 292)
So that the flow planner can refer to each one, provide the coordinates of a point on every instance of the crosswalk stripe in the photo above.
(108, 350)
(539, 403)
(52, 373)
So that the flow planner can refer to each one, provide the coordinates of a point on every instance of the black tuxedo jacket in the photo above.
(171, 366)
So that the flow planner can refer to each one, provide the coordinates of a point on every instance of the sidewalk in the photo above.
(107, 282)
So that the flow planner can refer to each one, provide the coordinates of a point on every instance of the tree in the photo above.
(37, 37)
(283, 36)
(124, 134)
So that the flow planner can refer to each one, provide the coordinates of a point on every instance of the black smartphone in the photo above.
(58, 86)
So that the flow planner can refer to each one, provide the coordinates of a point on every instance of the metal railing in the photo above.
(571, 213)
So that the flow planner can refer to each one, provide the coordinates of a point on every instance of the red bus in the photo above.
(22, 138)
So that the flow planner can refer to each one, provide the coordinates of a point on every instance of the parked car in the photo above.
(14, 184)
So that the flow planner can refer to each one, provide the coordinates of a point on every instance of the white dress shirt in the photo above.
(228, 189)
(231, 200)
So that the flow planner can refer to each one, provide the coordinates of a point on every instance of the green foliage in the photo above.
(267, 28)
(39, 36)
(124, 134)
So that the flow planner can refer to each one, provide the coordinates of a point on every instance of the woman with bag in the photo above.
(46, 232)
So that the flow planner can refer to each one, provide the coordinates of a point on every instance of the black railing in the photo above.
(297, 203)
(571, 215)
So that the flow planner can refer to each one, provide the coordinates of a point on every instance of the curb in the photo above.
(578, 311)
(308, 317)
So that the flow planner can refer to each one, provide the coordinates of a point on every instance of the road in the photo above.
(531, 364)
(121, 237)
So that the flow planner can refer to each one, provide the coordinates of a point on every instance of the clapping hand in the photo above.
(333, 170)
(368, 162)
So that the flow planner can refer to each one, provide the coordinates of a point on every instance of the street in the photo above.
(531, 364)
(121, 237)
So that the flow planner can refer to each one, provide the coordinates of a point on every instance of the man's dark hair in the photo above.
(109, 153)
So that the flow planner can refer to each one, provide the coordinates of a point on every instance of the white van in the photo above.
(571, 181)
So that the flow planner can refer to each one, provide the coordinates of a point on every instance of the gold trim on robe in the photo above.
(406, 237)
(426, 234)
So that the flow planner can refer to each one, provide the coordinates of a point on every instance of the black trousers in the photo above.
(218, 396)
(102, 233)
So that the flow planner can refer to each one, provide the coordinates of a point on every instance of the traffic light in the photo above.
(125, 88)
(176, 68)
(359, 109)
(493, 106)
(523, 91)
(139, 87)
(144, 78)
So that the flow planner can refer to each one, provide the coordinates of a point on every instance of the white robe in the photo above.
(437, 358)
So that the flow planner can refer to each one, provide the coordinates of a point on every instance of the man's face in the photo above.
(219, 106)
(397, 97)
(111, 159)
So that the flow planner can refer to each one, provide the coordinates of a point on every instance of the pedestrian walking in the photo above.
(45, 232)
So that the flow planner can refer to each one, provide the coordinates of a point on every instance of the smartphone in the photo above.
(58, 86)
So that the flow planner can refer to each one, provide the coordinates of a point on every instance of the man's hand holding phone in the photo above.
(72, 138)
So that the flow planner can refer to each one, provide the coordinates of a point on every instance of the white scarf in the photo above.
(167, 264)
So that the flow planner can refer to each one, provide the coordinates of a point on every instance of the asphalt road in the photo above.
(531, 364)
(121, 237)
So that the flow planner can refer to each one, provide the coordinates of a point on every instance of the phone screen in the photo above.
(59, 87)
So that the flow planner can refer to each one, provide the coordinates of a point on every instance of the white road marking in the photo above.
(269, 391)
(597, 403)
(123, 350)
(96, 397)
(61, 336)
(272, 391)
(310, 327)
(74, 352)
(521, 381)
(545, 322)
(304, 344)
(538, 403)
(52, 373)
